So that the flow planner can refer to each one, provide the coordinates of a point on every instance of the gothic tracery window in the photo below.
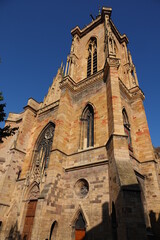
(127, 127)
(92, 57)
(44, 147)
(88, 127)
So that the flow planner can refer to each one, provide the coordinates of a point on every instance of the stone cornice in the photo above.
(110, 62)
(69, 83)
(15, 117)
(30, 108)
(139, 175)
(113, 62)
(48, 107)
(87, 29)
(137, 93)
(114, 135)
(18, 150)
(144, 162)
(79, 151)
(87, 165)
(132, 93)
(121, 38)
(93, 24)
(124, 89)
(96, 22)
(14, 121)
(20, 179)
(4, 204)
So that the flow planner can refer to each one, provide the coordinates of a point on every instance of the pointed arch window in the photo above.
(43, 147)
(127, 127)
(88, 127)
(92, 57)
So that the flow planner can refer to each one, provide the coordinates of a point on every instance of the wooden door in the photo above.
(79, 234)
(27, 230)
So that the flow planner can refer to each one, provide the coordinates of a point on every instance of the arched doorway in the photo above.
(29, 219)
(53, 231)
(32, 200)
(80, 228)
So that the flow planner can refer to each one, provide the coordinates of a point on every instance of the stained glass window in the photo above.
(44, 147)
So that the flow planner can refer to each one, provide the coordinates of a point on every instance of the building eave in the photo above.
(88, 28)
(96, 22)
(121, 38)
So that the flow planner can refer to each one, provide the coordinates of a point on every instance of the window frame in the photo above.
(92, 57)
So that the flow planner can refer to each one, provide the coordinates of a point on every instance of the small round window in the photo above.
(81, 188)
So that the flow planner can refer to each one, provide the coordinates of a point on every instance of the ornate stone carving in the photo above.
(112, 44)
(113, 62)
(34, 192)
(41, 157)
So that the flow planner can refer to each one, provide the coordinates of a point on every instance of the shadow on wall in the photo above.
(103, 230)
(126, 220)
(14, 234)
(154, 230)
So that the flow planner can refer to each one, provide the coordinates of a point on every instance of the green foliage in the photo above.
(2, 106)
(7, 130)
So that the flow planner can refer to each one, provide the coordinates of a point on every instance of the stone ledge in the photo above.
(114, 135)
(87, 165)
(139, 175)
(48, 107)
(4, 204)
(2, 160)
(144, 162)
(18, 150)
(79, 150)
(69, 83)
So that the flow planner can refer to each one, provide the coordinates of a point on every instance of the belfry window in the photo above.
(44, 147)
(127, 127)
(88, 127)
(92, 57)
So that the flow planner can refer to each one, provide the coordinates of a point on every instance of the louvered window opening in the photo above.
(95, 62)
(92, 57)
(89, 66)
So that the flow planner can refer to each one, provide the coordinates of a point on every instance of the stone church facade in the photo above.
(82, 164)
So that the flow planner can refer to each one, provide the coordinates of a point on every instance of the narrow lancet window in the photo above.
(92, 57)
(88, 127)
(127, 127)
(89, 61)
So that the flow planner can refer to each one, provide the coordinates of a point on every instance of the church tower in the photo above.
(82, 165)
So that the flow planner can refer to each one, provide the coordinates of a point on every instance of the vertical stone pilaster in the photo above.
(128, 219)
(113, 98)
(142, 140)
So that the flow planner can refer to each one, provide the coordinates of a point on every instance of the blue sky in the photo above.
(35, 37)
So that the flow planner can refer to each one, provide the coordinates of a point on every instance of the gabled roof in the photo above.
(100, 19)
